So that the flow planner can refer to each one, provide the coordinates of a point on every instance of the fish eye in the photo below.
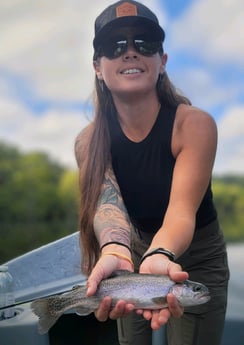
(197, 288)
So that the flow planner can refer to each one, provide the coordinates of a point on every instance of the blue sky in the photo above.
(46, 75)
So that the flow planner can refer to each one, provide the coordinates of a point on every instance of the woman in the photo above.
(145, 182)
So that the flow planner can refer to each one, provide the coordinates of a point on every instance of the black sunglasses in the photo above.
(116, 46)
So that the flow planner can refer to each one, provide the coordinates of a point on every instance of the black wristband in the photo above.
(163, 251)
(115, 242)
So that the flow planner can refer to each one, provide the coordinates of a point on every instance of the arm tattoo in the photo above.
(111, 221)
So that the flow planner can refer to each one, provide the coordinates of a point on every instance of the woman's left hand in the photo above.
(156, 264)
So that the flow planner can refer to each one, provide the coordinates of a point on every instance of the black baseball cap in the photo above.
(126, 13)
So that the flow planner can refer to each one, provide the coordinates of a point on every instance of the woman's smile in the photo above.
(132, 71)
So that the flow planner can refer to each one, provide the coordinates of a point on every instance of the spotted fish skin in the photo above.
(144, 291)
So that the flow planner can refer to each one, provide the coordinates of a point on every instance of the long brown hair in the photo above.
(93, 156)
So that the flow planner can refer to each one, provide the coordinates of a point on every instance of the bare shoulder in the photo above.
(189, 118)
(193, 126)
(187, 114)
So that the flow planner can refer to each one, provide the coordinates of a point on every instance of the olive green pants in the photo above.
(206, 262)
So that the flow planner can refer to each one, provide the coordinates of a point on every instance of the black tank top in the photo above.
(144, 173)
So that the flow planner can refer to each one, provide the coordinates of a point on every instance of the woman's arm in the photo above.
(194, 146)
(113, 231)
(111, 222)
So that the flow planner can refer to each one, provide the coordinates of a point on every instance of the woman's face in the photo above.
(130, 66)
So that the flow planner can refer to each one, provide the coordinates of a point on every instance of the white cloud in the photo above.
(50, 42)
(201, 86)
(232, 123)
(53, 132)
(212, 30)
(230, 154)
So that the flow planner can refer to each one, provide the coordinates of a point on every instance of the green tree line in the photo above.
(39, 202)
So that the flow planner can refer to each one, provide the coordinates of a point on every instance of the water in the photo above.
(234, 326)
(235, 309)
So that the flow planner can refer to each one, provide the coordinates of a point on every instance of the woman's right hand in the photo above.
(157, 264)
(105, 266)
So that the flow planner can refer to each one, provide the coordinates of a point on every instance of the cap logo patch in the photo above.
(126, 9)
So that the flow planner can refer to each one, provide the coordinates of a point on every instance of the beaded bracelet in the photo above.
(163, 251)
(115, 242)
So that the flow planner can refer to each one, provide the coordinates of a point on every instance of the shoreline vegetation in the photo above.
(39, 202)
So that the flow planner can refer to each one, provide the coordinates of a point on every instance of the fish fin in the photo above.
(160, 301)
(82, 311)
(47, 319)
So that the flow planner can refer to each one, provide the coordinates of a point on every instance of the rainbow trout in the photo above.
(144, 291)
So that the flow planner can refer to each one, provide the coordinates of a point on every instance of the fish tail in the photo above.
(47, 318)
